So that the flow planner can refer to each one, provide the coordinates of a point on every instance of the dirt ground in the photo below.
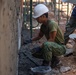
(26, 61)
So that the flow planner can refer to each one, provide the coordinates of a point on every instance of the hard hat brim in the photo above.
(35, 16)
(39, 15)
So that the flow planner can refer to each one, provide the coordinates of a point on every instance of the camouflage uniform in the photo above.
(71, 25)
(50, 49)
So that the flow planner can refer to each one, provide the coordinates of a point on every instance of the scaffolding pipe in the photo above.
(67, 11)
(54, 6)
(25, 12)
(58, 12)
(31, 18)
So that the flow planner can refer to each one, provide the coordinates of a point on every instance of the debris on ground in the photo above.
(26, 60)
(64, 69)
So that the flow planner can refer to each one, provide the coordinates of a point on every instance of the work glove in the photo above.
(27, 41)
(36, 49)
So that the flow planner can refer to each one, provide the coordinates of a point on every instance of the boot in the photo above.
(46, 63)
(55, 61)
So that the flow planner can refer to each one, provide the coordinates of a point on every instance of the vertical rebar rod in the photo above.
(58, 12)
(54, 2)
(25, 11)
(31, 18)
(67, 11)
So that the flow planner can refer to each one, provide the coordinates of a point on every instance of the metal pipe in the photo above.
(31, 18)
(54, 6)
(25, 12)
(58, 12)
(67, 11)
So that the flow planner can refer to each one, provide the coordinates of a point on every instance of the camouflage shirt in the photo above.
(50, 27)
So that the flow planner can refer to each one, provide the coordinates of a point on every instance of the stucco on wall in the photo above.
(8, 37)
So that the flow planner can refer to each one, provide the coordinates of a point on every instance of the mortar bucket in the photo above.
(42, 70)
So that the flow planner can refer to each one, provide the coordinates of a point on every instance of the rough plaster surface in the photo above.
(8, 37)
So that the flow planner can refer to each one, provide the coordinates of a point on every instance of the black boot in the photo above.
(46, 63)
(55, 61)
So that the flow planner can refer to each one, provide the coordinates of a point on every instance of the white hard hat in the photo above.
(39, 10)
(70, 1)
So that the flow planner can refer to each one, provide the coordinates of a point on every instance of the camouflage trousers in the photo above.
(50, 49)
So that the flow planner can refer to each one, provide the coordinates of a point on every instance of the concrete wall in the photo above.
(9, 36)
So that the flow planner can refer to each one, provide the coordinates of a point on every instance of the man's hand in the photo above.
(36, 49)
(27, 41)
